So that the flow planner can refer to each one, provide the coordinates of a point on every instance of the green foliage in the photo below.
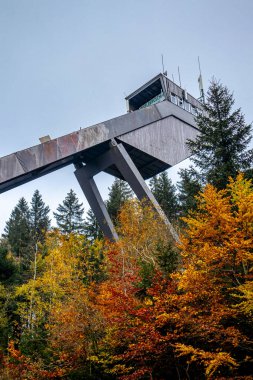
(189, 186)
(39, 219)
(3, 316)
(165, 193)
(92, 229)
(93, 262)
(168, 257)
(146, 273)
(8, 267)
(18, 232)
(119, 192)
(138, 308)
(220, 150)
(69, 217)
(26, 227)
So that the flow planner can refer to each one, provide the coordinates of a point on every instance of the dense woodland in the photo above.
(76, 306)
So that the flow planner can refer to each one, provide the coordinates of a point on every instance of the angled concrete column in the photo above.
(131, 174)
(96, 202)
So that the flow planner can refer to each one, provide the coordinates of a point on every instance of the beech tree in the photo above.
(221, 148)
(197, 323)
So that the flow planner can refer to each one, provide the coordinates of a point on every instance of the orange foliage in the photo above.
(190, 318)
(193, 323)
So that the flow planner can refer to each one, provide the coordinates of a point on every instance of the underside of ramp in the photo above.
(154, 137)
(134, 147)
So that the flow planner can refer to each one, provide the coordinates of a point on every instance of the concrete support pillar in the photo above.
(118, 156)
(96, 203)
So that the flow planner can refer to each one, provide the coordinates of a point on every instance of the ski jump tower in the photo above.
(150, 138)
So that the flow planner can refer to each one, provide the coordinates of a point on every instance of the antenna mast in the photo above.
(162, 64)
(179, 77)
(201, 88)
(164, 72)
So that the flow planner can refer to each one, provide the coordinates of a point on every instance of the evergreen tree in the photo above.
(8, 266)
(39, 219)
(189, 186)
(69, 217)
(119, 192)
(91, 227)
(220, 150)
(165, 193)
(18, 232)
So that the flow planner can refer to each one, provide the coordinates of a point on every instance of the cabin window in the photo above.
(180, 102)
(173, 98)
(186, 106)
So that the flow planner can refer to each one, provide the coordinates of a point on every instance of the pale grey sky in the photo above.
(66, 64)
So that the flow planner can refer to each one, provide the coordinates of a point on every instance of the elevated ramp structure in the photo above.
(150, 138)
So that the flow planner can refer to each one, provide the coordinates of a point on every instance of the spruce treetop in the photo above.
(220, 150)
(18, 229)
(39, 218)
(91, 227)
(119, 192)
(69, 217)
(165, 193)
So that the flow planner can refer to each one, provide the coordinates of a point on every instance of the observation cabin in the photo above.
(162, 88)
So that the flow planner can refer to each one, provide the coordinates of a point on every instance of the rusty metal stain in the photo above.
(68, 144)
(48, 153)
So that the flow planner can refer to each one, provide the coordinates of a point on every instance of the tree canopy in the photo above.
(165, 193)
(221, 150)
(69, 215)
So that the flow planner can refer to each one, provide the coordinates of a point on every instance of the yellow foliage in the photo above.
(140, 230)
(246, 295)
(211, 360)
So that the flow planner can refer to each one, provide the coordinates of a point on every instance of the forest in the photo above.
(74, 305)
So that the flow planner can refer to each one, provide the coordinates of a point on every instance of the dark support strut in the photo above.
(118, 156)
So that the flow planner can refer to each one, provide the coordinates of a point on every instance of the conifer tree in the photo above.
(119, 192)
(69, 217)
(39, 218)
(8, 266)
(189, 186)
(91, 226)
(165, 193)
(220, 150)
(18, 232)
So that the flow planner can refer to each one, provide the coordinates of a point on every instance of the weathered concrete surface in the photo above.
(164, 139)
(159, 131)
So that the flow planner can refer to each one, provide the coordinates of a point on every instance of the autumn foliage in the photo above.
(142, 308)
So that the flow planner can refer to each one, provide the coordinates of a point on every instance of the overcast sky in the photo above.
(66, 64)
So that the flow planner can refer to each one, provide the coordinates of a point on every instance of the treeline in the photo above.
(29, 224)
(75, 306)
